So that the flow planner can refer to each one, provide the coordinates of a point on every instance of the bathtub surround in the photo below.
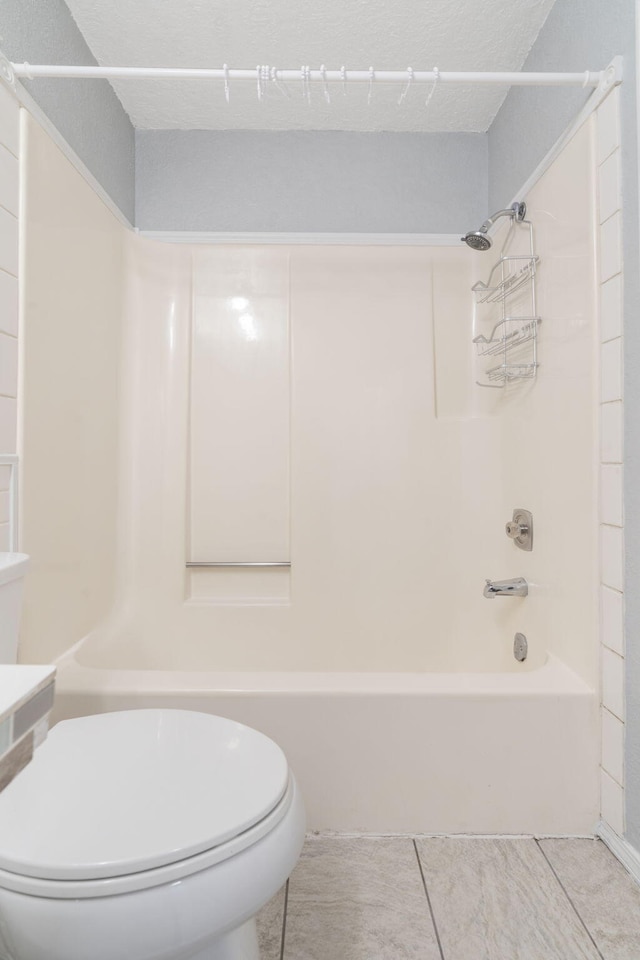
(367, 380)
(381, 390)
(87, 113)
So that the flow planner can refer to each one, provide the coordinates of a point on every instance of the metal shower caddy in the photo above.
(513, 340)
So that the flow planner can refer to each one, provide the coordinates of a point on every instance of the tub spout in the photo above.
(518, 587)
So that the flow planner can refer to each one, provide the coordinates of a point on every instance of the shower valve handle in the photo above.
(520, 528)
(515, 529)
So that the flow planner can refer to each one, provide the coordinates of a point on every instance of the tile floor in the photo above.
(453, 899)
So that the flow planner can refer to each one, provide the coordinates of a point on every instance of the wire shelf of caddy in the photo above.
(513, 336)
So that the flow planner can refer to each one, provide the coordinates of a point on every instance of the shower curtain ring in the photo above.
(225, 70)
(407, 86)
(372, 77)
(343, 77)
(282, 87)
(265, 73)
(325, 89)
(436, 73)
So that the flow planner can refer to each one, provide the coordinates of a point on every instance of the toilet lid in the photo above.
(118, 793)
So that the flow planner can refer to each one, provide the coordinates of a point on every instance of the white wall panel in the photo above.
(240, 406)
(8, 303)
(8, 181)
(9, 121)
(8, 425)
(70, 401)
(8, 366)
(8, 242)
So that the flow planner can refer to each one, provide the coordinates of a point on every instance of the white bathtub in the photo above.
(487, 753)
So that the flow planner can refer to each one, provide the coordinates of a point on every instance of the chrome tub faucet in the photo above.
(518, 587)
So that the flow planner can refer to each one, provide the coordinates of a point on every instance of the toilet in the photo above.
(150, 834)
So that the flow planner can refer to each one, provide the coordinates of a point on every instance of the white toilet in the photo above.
(145, 835)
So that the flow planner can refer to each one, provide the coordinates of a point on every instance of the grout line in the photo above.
(599, 163)
(6, 209)
(351, 835)
(426, 893)
(284, 919)
(575, 909)
(608, 773)
(601, 224)
(615, 590)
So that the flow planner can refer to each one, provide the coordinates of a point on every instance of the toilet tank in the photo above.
(13, 567)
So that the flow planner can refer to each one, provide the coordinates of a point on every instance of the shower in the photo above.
(479, 239)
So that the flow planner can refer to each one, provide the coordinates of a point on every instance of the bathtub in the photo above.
(433, 753)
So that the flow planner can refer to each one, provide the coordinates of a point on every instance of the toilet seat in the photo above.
(125, 801)
(147, 879)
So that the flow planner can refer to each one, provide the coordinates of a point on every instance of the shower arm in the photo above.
(516, 211)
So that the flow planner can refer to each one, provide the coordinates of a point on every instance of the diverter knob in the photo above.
(515, 529)
(520, 529)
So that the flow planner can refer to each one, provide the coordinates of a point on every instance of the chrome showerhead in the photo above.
(480, 240)
(477, 240)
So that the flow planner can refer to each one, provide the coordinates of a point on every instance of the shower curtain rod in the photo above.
(588, 78)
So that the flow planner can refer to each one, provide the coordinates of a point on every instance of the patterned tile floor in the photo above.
(453, 899)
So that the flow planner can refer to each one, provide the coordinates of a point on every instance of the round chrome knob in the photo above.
(520, 529)
(515, 529)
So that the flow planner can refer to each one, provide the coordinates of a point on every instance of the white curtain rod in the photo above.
(29, 71)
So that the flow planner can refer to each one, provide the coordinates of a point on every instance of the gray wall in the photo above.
(86, 112)
(297, 181)
(577, 35)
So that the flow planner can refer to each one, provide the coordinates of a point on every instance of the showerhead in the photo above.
(480, 239)
(477, 240)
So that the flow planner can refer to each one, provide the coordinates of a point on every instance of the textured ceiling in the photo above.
(385, 34)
